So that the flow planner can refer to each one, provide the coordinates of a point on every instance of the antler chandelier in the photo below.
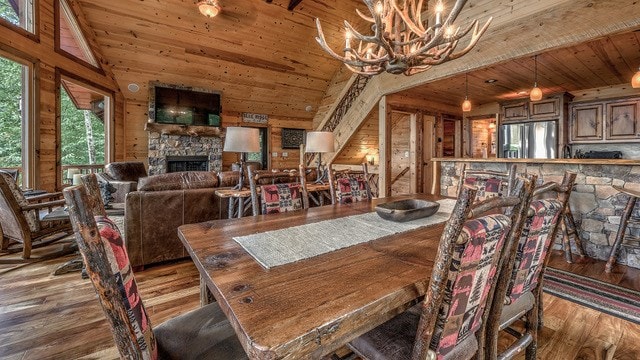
(402, 42)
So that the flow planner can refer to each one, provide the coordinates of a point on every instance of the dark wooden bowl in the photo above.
(407, 210)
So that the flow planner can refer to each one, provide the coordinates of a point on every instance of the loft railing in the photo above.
(345, 103)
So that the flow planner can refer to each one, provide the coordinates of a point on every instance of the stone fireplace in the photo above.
(183, 151)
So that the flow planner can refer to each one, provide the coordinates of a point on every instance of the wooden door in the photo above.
(586, 122)
(623, 120)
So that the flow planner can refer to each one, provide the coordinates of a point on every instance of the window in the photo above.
(19, 13)
(69, 34)
(15, 139)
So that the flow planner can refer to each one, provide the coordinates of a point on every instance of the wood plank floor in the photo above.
(59, 317)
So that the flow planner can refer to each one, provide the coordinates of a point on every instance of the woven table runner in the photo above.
(279, 247)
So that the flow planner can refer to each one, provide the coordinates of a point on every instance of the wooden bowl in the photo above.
(407, 210)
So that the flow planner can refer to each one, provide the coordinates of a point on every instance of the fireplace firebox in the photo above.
(187, 163)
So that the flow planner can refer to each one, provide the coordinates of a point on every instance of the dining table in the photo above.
(309, 308)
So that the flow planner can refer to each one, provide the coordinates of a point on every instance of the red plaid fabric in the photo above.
(351, 190)
(533, 246)
(487, 188)
(137, 318)
(279, 198)
(473, 268)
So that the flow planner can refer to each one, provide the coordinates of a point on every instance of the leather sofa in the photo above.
(164, 202)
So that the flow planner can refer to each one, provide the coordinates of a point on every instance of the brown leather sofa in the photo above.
(164, 202)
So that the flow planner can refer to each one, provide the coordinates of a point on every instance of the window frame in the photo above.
(33, 35)
(75, 27)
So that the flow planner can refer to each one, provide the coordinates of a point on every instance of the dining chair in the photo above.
(448, 323)
(23, 222)
(490, 183)
(276, 192)
(518, 294)
(348, 186)
(204, 333)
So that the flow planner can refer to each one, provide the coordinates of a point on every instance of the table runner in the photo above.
(279, 247)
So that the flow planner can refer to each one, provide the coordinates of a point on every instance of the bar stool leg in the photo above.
(624, 220)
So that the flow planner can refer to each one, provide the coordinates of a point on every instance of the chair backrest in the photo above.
(107, 264)
(463, 280)
(524, 270)
(349, 186)
(15, 173)
(16, 223)
(126, 170)
(490, 183)
(276, 192)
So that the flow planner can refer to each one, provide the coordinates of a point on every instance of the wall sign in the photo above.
(255, 118)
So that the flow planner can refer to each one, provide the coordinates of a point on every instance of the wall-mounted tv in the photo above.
(172, 104)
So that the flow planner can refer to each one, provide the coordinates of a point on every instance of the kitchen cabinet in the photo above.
(623, 120)
(544, 109)
(586, 122)
(515, 111)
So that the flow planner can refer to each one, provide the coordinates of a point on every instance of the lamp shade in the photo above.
(535, 94)
(320, 141)
(635, 80)
(466, 105)
(242, 139)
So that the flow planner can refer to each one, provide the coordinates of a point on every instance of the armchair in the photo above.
(22, 223)
(124, 177)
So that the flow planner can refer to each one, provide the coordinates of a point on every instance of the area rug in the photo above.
(610, 299)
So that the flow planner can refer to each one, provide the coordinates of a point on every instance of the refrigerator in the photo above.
(532, 140)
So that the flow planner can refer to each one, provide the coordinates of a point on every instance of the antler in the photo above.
(401, 41)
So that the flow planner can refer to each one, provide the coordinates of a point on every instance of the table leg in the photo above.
(205, 295)
(231, 207)
(240, 207)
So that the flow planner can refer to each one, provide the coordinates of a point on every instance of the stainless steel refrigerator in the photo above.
(533, 140)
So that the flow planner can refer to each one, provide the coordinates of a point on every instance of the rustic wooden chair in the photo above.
(519, 291)
(490, 183)
(348, 186)
(23, 225)
(448, 323)
(204, 333)
(276, 192)
(316, 198)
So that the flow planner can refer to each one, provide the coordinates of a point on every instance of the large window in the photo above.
(14, 115)
(70, 38)
(19, 13)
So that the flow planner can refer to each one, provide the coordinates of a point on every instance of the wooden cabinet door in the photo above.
(623, 120)
(586, 122)
(515, 111)
(544, 109)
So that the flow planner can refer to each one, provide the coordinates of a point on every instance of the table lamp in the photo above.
(320, 142)
(242, 140)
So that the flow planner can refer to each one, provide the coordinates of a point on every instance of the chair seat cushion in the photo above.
(515, 310)
(204, 333)
(394, 340)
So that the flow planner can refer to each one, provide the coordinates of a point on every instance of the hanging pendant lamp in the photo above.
(466, 104)
(536, 92)
(635, 80)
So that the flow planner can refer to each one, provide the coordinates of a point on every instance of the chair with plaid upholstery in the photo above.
(349, 186)
(490, 183)
(448, 324)
(276, 192)
(519, 291)
(204, 333)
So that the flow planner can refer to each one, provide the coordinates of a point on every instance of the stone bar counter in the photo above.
(595, 204)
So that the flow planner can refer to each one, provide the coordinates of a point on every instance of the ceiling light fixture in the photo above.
(209, 8)
(536, 92)
(402, 42)
(491, 81)
(635, 80)
(466, 104)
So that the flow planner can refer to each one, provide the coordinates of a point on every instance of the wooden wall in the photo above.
(40, 51)
(400, 153)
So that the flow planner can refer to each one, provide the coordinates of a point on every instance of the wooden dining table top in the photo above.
(310, 308)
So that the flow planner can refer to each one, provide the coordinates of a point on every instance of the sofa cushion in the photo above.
(179, 181)
(127, 171)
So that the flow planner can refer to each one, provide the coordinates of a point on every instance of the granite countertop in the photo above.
(632, 162)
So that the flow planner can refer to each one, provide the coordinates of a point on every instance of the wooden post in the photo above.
(384, 145)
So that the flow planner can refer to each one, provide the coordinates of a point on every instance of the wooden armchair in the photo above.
(203, 333)
(519, 291)
(276, 192)
(22, 222)
(348, 186)
(489, 183)
(448, 324)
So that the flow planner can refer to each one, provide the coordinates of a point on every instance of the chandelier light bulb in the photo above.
(209, 8)
(379, 8)
(635, 80)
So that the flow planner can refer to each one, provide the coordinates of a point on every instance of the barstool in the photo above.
(625, 220)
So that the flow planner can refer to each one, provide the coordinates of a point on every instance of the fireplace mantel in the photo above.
(180, 130)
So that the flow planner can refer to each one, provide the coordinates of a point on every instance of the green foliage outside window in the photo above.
(7, 12)
(74, 136)
(10, 114)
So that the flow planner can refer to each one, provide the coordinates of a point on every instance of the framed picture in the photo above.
(292, 138)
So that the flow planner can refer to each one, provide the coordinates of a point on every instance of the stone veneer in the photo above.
(163, 145)
(595, 204)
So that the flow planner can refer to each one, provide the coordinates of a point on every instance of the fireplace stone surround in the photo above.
(162, 145)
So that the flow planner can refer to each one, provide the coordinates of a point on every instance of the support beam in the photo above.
(293, 4)
(384, 148)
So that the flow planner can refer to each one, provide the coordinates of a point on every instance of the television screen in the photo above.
(186, 107)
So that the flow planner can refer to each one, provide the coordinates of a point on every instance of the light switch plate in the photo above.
(274, 154)
(285, 154)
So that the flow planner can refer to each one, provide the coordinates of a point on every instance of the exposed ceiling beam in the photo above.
(293, 4)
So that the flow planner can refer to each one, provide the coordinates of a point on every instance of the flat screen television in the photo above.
(170, 104)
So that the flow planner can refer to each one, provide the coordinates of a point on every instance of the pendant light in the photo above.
(635, 80)
(536, 92)
(466, 104)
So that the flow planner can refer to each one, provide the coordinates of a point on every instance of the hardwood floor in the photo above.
(59, 317)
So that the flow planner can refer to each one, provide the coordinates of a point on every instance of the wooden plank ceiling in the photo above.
(262, 57)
